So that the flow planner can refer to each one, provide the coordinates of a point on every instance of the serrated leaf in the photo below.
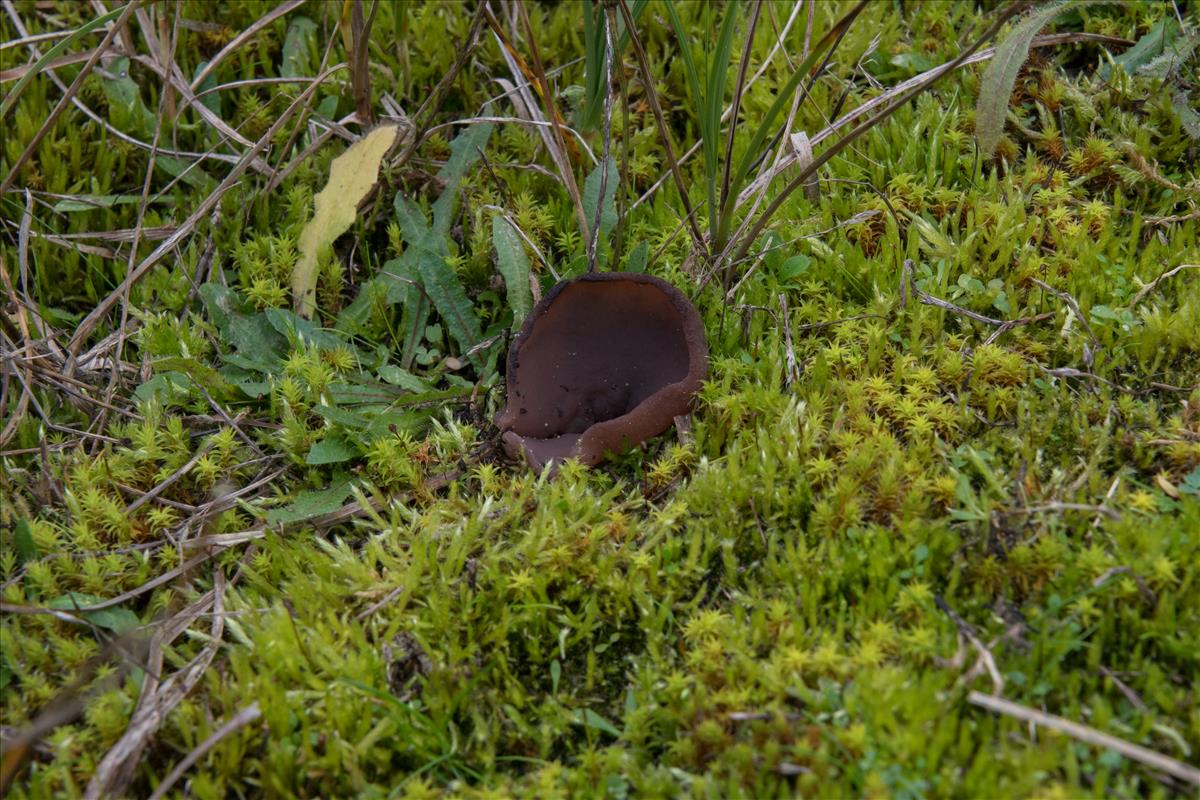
(213, 382)
(1188, 117)
(450, 299)
(1172, 58)
(311, 504)
(352, 175)
(116, 619)
(995, 91)
(514, 266)
(402, 378)
(414, 228)
(591, 196)
(165, 389)
(465, 150)
(1151, 45)
(341, 416)
(332, 449)
(295, 327)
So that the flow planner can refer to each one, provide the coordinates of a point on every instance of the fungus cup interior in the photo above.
(604, 362)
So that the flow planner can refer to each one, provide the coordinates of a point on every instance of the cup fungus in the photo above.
(603, 363)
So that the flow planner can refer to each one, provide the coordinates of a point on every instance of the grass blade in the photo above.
(785, 95)
(10, 99)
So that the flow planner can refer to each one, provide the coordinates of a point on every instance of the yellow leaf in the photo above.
(351, 176)
(1166, 486)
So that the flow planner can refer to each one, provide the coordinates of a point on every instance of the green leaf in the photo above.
(124, 97)
(450, 299)
(636, 262)
(165, 389)
(591, 719)
(783, 98)
(406, 283)
(212, 100)
(117, 619)
(414, 228)
(260, 346)
(555, 675)
(996, 89)
(342, 416)
(311, 504)
(331, 450)
(402, 378)
(202, 374)
(465, 150)
(90, 202)
(296, 328)
(1151, 45)
(591, 196)
(514, 266)
(1173, 57)
(23, 541)
(297, 48)
(1188, 117)
(794, 267)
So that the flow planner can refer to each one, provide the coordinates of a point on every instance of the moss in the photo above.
(753, 608)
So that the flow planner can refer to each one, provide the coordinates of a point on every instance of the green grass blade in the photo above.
(54, 52)
(784, 97)
(693, 76)
(714, 102)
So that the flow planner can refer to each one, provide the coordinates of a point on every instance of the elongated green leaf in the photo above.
(1171, 60)
(414, 227)
(591, 719)
(1150, 46)
(23, 541)
(636, 262)
(594, 52)
(591, 196)
(405, 287)
(450, 299)
(90, 202)
(689, 63)
(465, 150)
(1188, 117)
(995, 90)
(297, 48)
(117, 618)
(514, 266)
(596, 56)
(714, 103)
(402, 378)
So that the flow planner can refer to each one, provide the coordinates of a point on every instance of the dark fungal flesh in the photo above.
(603, 363)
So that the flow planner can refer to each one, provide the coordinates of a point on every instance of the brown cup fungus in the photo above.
(603, 363)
